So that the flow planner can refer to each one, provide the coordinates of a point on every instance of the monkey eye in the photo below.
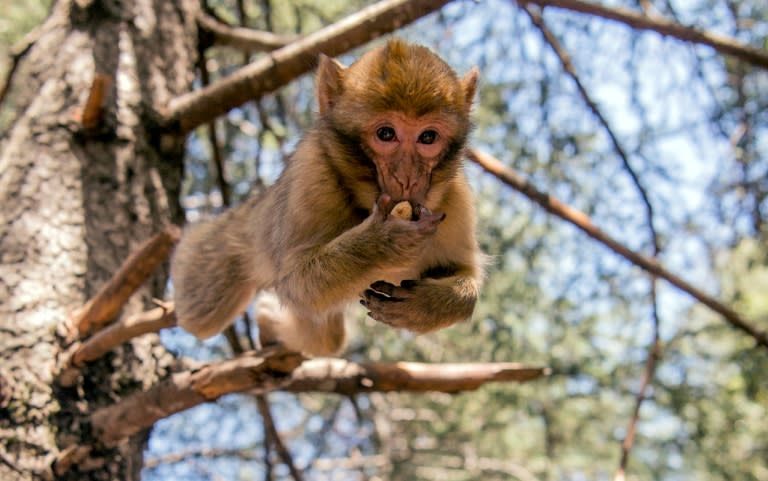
(428, 137)
(385, 134)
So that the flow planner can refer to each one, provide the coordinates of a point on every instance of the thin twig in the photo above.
(93, 110)
(721, 43)
(246, 39)
(122, 331)
(268, 467)
(356, 461)
(568, 67)
(275, 439)
(213, 140)
(654, 352)
(70, 456)
(583, 222)
(181, 456)
(70, 362)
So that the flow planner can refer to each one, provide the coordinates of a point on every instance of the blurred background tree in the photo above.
(690, 190)
(17, 20)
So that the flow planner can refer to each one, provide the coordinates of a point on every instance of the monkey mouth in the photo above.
(418, 210)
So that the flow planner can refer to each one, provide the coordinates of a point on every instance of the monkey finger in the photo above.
(420, 211)
(395, 324)
(383, 206)
(383, 287)
(391, 313)
(380, 315)
(402, 292)
(372, 296)
(428, 224)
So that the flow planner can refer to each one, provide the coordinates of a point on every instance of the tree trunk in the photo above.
(77, 196)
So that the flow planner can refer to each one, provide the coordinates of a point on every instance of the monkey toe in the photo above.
(383, 308)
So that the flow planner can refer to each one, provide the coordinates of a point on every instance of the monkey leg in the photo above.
(213, 278)
(314, 335)
(422, 305)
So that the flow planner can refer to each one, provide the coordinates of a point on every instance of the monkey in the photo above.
(391, 128)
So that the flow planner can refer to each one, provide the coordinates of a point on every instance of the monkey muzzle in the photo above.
(405, 178)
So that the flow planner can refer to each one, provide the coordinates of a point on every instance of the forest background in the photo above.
(661, 141)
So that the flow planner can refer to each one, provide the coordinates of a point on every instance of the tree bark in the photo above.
(77, 197)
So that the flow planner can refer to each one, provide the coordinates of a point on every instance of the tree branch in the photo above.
(568, 67)
(654, 353)
(122, 331)
(136, 269)
(273, 437)
(655, 346)
(246, 39)
(267, 370)
(213, 139)
(93, 110)
(69, 363)
(182, 456)
(281, 66)
(582, 221)
(345, 377)
(720, 43)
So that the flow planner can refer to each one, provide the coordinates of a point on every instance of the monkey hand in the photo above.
(421, 305)
(404, 237)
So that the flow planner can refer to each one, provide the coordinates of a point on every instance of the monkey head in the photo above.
(404, 110)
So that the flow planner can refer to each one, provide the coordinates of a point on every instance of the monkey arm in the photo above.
(321, 277)
(423, 305)
(451, 271)
(318, 278)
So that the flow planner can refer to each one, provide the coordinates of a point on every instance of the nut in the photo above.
(403, 210)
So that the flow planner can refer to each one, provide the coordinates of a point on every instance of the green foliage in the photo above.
(17, 19)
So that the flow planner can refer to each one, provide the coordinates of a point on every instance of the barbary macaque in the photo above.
(389, 137)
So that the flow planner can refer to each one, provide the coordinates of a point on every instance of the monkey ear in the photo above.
(329, 85)
(469, 85)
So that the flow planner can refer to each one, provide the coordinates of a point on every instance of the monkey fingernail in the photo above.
(382, 205)
(383, 287)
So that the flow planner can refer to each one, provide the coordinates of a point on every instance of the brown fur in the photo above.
(321, 237)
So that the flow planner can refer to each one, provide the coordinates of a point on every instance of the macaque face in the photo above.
(406, 150)
(408, 112)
